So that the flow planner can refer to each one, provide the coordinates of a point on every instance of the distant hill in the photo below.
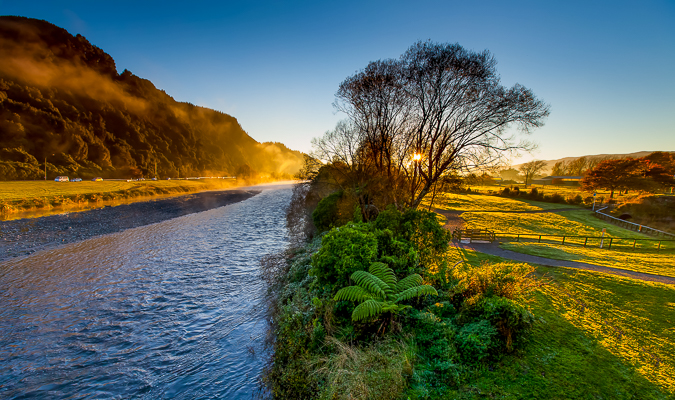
(637, 154)
(61, 98)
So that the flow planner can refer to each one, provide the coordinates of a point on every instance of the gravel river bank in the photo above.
(25, 236)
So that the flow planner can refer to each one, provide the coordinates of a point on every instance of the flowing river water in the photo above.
(169, 310)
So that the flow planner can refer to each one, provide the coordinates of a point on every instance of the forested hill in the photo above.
(62, 98)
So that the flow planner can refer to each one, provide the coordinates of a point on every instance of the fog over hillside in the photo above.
(62, 98)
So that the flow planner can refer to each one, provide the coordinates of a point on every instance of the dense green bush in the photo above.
(344, 250)
(325, 215)
(475, 340)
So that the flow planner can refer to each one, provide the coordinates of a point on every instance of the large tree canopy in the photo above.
(436, 110)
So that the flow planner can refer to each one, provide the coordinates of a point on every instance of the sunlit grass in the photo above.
(22, 195)
(641, 260)
(569, 223)
(632, 319)
(597, 336)
(479, 202)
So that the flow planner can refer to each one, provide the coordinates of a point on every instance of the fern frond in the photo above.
(367, 309)
(386, 274)
(352, 293)
(416, 291)
(407, 283)
(371, 283)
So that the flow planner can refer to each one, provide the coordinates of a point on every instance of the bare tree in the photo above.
(461, 112)
(437, 111)
(532, 168)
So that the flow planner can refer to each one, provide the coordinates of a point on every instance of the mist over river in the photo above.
(169, 310)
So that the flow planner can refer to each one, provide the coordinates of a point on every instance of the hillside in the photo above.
(62, 99)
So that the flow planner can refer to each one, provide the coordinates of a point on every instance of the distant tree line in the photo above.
(653, 172)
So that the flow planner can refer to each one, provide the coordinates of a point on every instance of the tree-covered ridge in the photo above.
(62, 99)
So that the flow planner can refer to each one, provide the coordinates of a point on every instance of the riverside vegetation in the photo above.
(492, 329)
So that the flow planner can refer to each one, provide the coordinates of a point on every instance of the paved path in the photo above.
(495, 250)
(454, 220)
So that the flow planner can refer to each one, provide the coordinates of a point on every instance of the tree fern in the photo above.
(366, 310)
(353, 293)
(371, 283)
(416, 291)
(408, 282)
(379, 292)
(383, 272)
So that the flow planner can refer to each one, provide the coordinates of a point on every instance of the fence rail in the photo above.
(631, 225)
(585, 241)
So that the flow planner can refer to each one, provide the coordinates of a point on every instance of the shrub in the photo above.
(557, 198)
(509, 280)
(475, 341)
(325, 214)
(534, 193)
(575, 200)
(506, 192)
(510, 319)
(344, 250)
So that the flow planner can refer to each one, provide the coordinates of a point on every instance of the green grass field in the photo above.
(651, 261)
(569, 223)
(597, 336)
(16, 196)
(479, 202)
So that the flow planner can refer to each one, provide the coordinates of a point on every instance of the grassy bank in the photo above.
(597, 337)
(593, 336)
(17, 196)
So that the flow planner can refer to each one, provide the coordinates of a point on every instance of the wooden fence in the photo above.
(632, 226)
(585, 241)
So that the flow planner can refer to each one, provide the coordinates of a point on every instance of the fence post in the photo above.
(563, 242)
(659, 245)
(539, 239)
(518, 239)
(634, 240)
(585, 241)
(610, 244)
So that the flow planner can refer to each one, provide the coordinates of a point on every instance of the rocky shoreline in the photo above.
(26, 236)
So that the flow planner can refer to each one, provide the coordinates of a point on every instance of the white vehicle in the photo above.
(61, 179)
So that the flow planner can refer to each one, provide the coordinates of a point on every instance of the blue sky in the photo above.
(605, 67)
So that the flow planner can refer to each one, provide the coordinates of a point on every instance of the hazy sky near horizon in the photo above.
(605, 67)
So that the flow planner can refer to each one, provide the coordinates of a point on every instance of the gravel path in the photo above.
(26, 236)
(495, 250)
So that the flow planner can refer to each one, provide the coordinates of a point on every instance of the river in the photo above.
(169, 310)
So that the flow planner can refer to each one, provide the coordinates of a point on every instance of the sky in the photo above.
(605, 67)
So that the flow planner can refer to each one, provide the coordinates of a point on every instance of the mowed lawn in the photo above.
(480, 202)
(596, 336)
(568, 223)
(644, 259)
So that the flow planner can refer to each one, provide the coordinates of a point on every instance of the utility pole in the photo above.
(45, 168)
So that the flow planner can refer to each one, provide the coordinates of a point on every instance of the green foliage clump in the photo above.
(344, 250)
(325, 215)
(475, 340)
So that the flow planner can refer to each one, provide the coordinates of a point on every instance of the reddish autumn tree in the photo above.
(613, 174)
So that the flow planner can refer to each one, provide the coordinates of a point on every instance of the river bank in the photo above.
(27, 199)
(26, 236)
